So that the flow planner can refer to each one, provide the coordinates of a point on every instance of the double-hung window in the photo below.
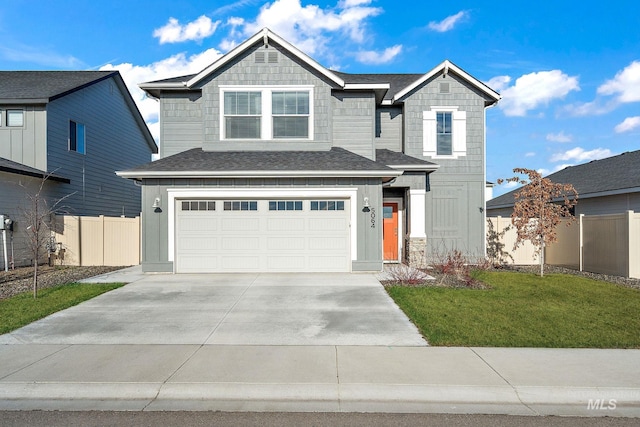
(242, 115)
(266, 112)
(290, 114)
(444, 132)
(15, 118)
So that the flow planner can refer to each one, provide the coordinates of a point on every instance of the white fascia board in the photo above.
(364, 86)
(415, 167)
(448, 66)
(164, 85)
(257, 174)
(252, 40)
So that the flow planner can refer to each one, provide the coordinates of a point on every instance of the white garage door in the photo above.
(262, 235)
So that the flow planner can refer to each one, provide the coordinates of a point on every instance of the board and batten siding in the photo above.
(114, 141)
(26, 144)
(244, 71)
(457, 187)
(181, 123)
(353, 122)
(388, 133)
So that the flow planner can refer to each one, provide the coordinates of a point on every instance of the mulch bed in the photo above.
(20, 280)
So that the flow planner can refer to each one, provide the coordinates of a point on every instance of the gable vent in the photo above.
(273, 57)
(259, 57)
(444, 88)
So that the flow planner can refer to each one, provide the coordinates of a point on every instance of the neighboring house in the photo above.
(607, 186)
(76, 128)
(271, 162)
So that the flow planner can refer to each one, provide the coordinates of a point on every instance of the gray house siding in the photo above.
(388, 133)
(286, 71)
(181, 122)
(454, 218)
(114, 141)
(353, 122)
(26, 144)
(155, 256)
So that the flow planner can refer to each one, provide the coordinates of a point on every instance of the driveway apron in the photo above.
(232, 309)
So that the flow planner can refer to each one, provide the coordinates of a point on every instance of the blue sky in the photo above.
(568, 71)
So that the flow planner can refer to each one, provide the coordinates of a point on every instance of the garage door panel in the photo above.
(219, 240)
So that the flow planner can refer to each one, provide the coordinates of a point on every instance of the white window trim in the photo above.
(458, 132)
(266, 122)
(262, 193)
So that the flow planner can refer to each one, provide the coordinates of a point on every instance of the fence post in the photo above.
(580, 242)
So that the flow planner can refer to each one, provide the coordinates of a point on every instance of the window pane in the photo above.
(277, 102)
(340, 205)
(202, 206)
(299, 205)
(314, 206)
(80, 144)
(15, 118)
(323, 206)
(242, 98)
(235, 206)
(290, 127)
(303, 102)
(444, 145)
(253, 206)
(281, 206)
(331, 206)
(290, 205)
(72, 136)
(273, 205)
(211, 206)
(290, 103)
(194, 206)
(255, 106)
(242, 127)
(185, 206)
(230, 106)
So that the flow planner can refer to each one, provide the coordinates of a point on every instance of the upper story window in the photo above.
(15, 118)
(444, 132)
(266, 113)
(77, 141)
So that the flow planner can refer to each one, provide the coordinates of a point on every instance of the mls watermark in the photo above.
(602, 404)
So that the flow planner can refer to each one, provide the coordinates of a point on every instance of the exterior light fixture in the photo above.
(156, 203)
(365, 207)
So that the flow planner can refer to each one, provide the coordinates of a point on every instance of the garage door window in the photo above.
(240, 205)
(198, 205)
(327, 205)
(285, 205)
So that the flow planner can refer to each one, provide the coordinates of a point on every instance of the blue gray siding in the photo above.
(388, 132)
(454, 215)
(354, 122)
(114, 141)
(287, 71)
(26, 144)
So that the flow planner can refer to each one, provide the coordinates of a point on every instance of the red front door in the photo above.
(390, 231)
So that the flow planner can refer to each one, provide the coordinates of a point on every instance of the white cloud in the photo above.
(628, 124)
(625, 85)
(578, 154)
(499, 83)
(447, 23)
(559, 137)
(533, 90)
(173, 66)
(309, 28)
(592, 108)
(373, 57)
(511, 184)
(196, 30)
(530, 154)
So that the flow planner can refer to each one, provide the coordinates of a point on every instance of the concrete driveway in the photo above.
(232, 309)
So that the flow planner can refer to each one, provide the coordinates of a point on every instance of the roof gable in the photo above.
(27, 87)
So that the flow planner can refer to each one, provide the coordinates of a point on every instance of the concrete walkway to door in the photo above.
(232, 309)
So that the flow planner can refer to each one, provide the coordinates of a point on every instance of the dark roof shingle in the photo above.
(10, 166)
(45, 85)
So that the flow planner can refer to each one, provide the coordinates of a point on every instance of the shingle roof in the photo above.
(395, 158)
(617, 173)
(45, 86)
(10, 166)
(213, 163)
(397, 82)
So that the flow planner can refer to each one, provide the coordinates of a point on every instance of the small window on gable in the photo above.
(77, 137)
(15, 118)
(444, 132)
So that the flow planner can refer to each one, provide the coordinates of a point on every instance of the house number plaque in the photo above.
(373, 217)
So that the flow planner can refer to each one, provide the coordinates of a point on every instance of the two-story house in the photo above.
(74, 128)
(271, 162)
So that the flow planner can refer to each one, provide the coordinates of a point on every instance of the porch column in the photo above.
(417, 235)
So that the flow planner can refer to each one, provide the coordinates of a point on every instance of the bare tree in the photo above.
(539, 207)
(39, 215)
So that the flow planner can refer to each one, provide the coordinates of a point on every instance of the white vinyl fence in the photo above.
(608, 244)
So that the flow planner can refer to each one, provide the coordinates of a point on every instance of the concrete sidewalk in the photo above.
(321, 378)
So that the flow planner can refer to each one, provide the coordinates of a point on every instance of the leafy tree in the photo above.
(539, 207)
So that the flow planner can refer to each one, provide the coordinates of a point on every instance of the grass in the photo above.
(525, 310)
(22, 309)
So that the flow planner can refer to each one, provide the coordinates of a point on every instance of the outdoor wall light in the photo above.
(365, 207)
(156, 202)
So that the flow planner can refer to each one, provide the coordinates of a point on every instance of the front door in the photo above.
(390, 231)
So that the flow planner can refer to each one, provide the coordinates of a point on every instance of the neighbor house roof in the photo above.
(196, 163)
(397, 160)
(10, 166)
(606, 177)
(42, 87)
(389, 88)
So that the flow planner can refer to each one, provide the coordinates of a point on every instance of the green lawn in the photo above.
(525, 310)
(23, 309)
